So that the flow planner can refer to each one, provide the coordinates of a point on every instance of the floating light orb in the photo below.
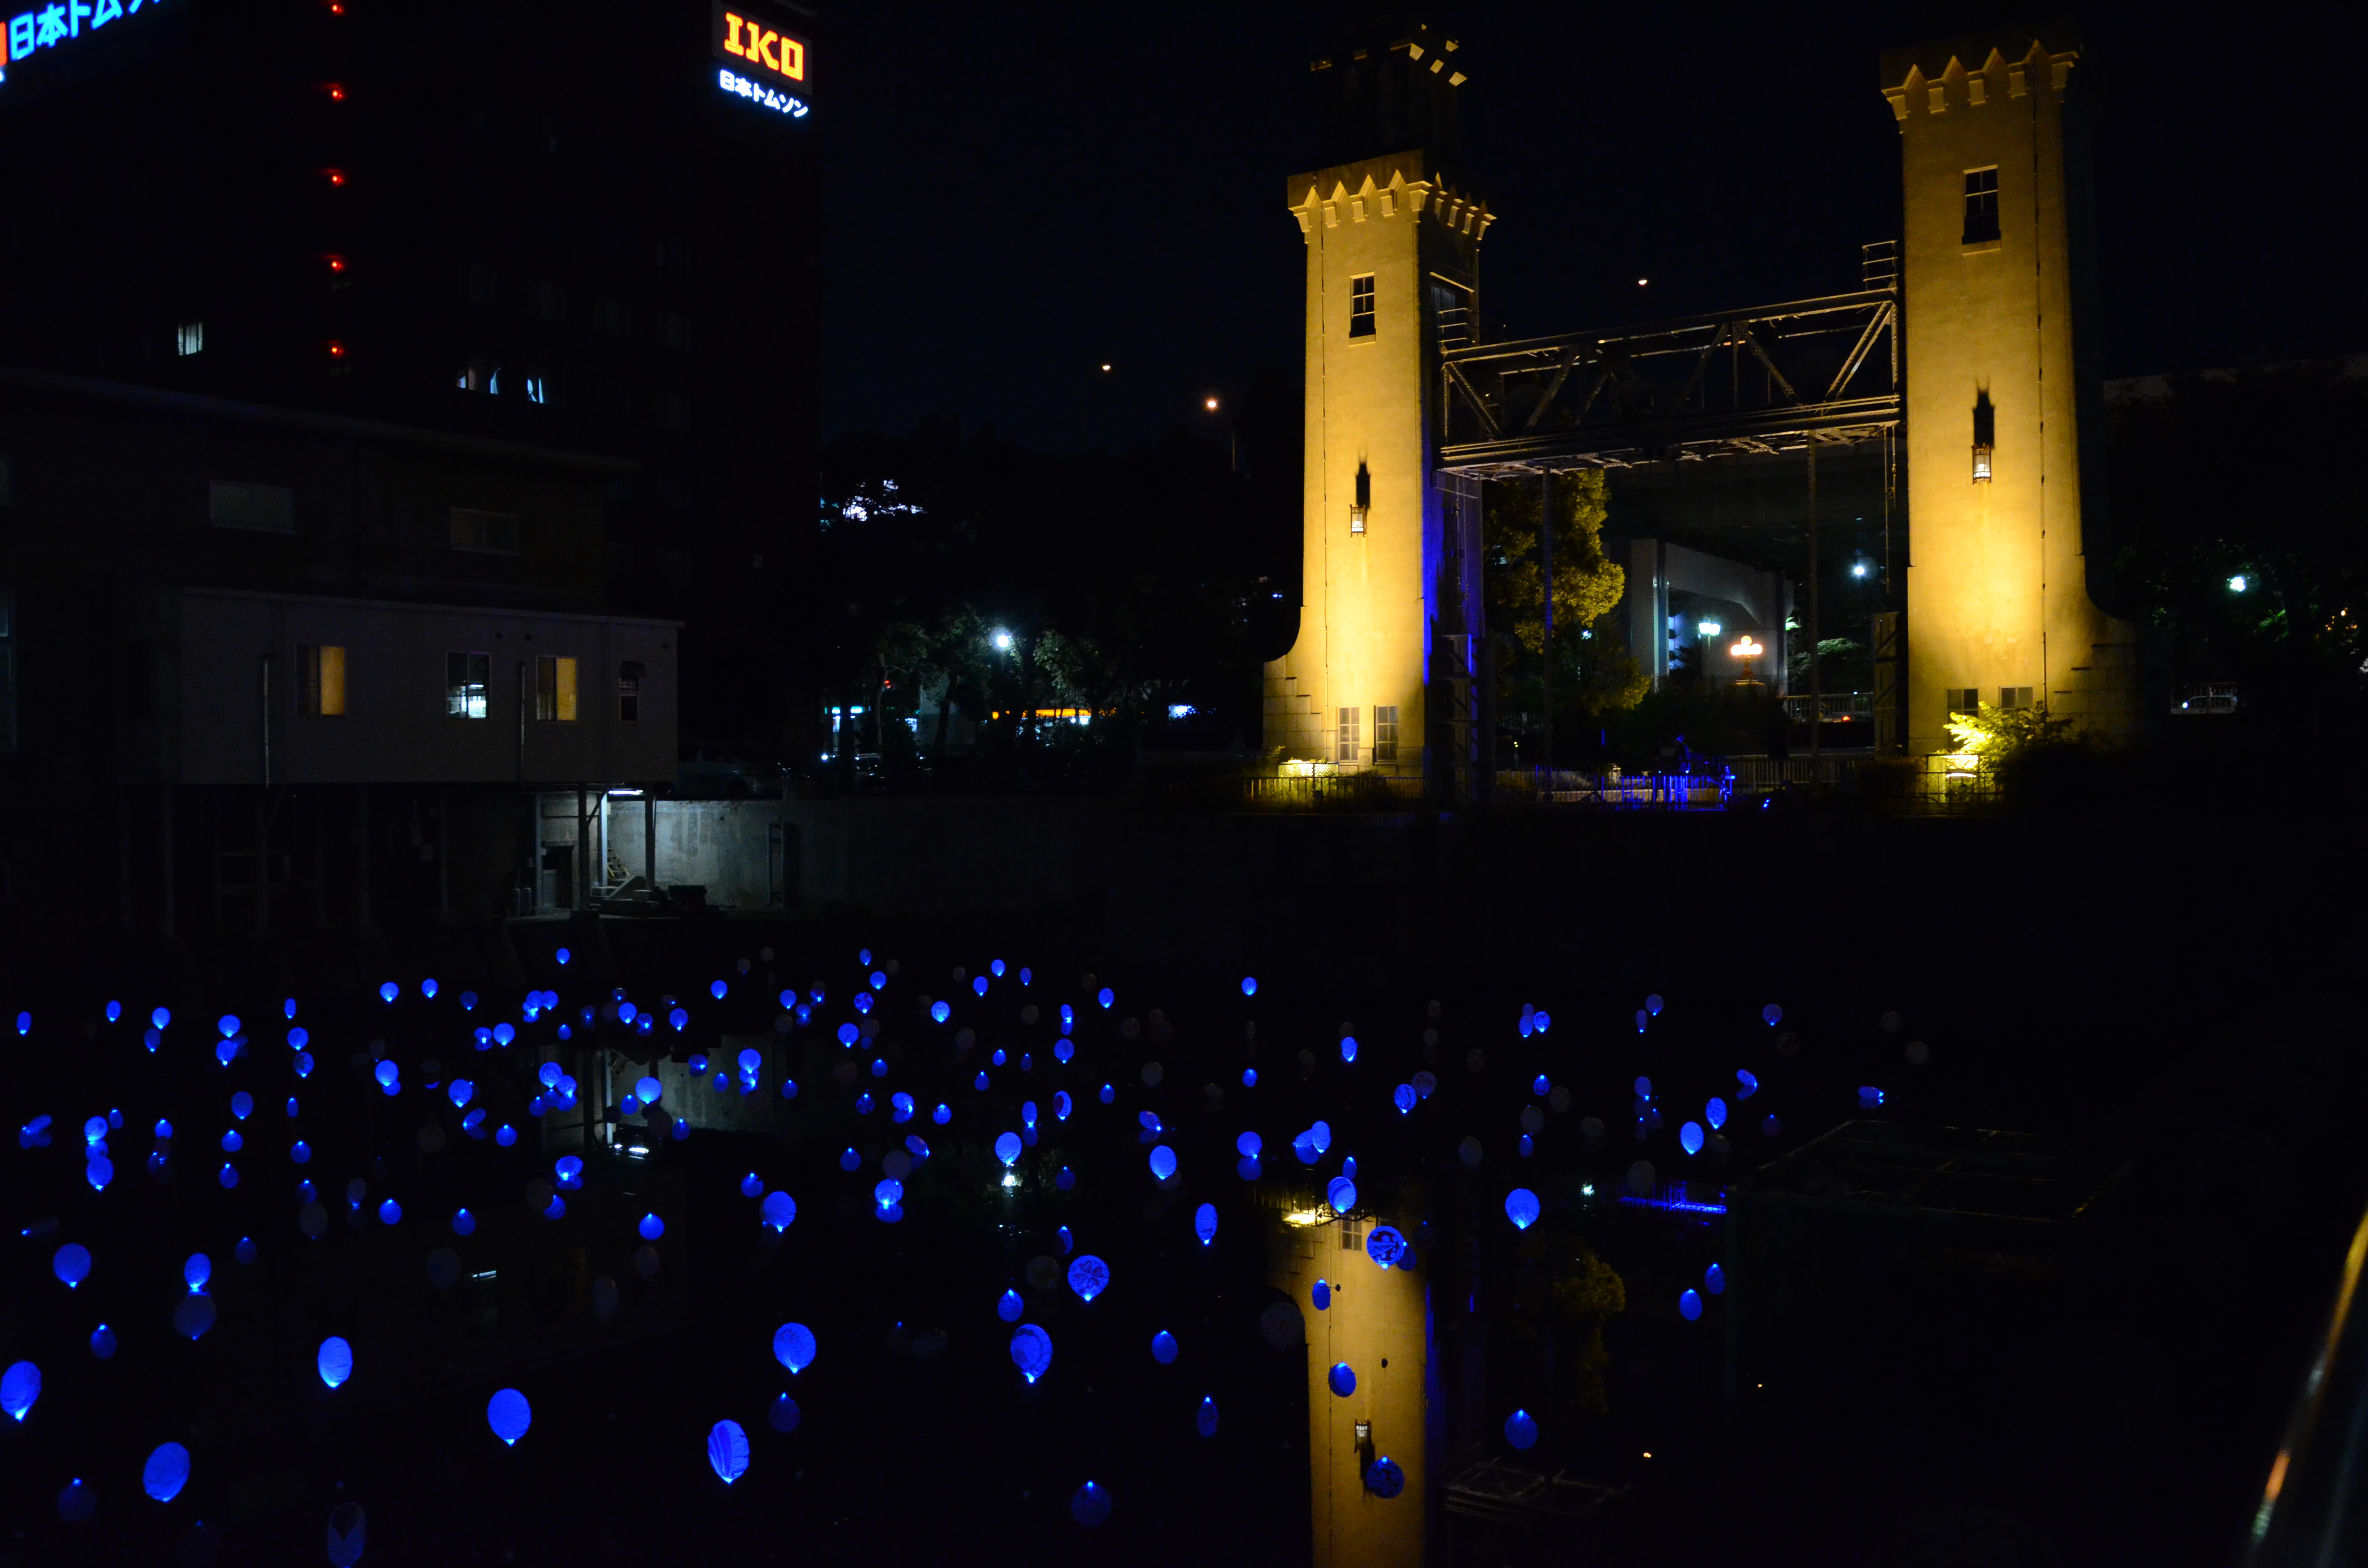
(77, 1503)
(940, 1012)
(1715, 1113)
(1204, 1420)
(1341, 1194)
(888, 1193)
(1385, 1247)
(1009, 1306)
(334, 1361)
(1032, 1351)
(1088, 1277)
(510, 1414)
(783, 1414)
(1383, 1478)
(1689, 1304)
(1714, 1279)
(1163, 1162)
(99, 1170)
(1772, 1014)
(102, 1342)
(388, 991)
(1163, 1348)
(1205, 1223)
(1090, 1505)
(727, 1450)
(390, 1212)
(347, 1534)
(1061, 1104)
(1106, 997)
(1348, 1048)
(166, 1471)
(1521, 1208)
(1521, 1429)
(1689, 1138)
(193, 1316)
(197, 1271)
(20, 1386)
(1007, 1148)
(1341, 1379)
(71, 1263)
(651, 1228)
(793, 1346)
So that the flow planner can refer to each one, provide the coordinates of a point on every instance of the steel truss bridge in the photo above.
(1774, 379)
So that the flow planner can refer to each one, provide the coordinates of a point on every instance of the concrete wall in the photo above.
(744, 853)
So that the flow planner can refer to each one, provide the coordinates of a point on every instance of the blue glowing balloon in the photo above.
(1341, 1194)
(388, 991)
(166, 1471)
(1163, 1348)
(464, 1222)
(1321, 1136)
(651, 1227)
(1163, 1162)
(114, 1011)
(1341, 1379)
(1067, 1241)
(1107, 997)
(161, 1017)
(1869, 1096)
(509, 1415)
(848, 1159)
(20, 1385)
(245, 1251)
(76, 1502)
(1007, 1147)
(347, 1534)
(1521, 1208)
(1348, 1048)
(1689, 1304)
(1521, 1429)
(193, 1316)
(1065, 1180)
(390, 1212)
(888, 1193)
(99, 1170)
(1383, 1478)
(1715, 1113)
(386, 1073)
(1773, 1014)
(1689, 1138)
(569, 1170)
(1088, 1277)
(1032, 1351)
(1247, 1145)
(1108, 1095)
(334, 1361)
(727, 1450)
(1772, 1127)
(72, 1264)
(1384, 1245)
(1714, 1279)
(1061, 1104)
(1009, 1306)
(1322, 1295)
(793, 1346)
(1204, 1420)
(197, 1271)
(783, 1414)
(1247, 1169)
(102, 1342)
(1090, 1506)
(1746, 1085)
(1404, 1097)
(1205, 1223)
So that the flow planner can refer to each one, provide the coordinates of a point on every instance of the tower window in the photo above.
(1985, 438)
(1359, 509)
(628, 691)
(465, 678)
(320, 680)
(1345, 749)
(1385, 734)
(188, 338)
(1360, 306)
(1981, 206)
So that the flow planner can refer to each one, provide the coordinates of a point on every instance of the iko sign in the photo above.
(761, 62)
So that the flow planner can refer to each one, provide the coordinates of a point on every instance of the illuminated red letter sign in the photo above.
(749, 41)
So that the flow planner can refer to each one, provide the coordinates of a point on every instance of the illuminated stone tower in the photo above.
(1382, 653)
(1999, 605)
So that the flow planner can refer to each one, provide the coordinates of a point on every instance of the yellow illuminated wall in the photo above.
(1377, 1315)
(1997, 595)
(1388, 230)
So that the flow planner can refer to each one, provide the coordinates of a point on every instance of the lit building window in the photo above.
(321, 681)
(1981, 206)
(555, 690)
(1347, 746)
(1985, 438)
(465, 678)
(1360, 306)
(1363, 504)
(1385, 734)
(189, 338)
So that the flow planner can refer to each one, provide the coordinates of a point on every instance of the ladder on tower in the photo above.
(1879, 265)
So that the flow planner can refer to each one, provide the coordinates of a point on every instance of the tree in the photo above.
(1593, 671)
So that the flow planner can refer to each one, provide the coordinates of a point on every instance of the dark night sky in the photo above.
(1016, 193)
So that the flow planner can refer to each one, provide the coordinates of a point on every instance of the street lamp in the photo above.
(1001, 639)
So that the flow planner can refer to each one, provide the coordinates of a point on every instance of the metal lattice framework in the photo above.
(1767, 380)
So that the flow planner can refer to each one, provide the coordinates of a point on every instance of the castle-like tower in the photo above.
(1390, 591)
(1999, 583)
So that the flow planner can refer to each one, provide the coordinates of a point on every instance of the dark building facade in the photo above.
(579, 224)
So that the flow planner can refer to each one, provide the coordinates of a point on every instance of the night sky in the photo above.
(1015, 194)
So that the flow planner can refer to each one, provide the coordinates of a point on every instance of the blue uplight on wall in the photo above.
(334, 1361)
(793, 1346)
(1521, 1208)
(509, 1415)
(1088, 1277)
(1341, 1379)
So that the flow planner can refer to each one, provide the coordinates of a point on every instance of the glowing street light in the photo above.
(1747, 648)
(1707, 627)
(1210, 403)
